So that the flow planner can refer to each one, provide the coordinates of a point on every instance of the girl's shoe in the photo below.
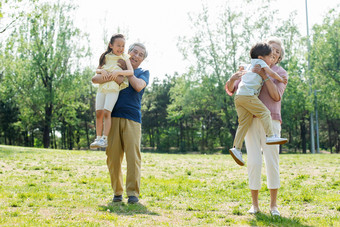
(95, 144)
(102, 143)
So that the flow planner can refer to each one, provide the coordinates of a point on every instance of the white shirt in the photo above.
(251, 83)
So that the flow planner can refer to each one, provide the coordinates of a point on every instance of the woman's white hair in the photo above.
(274, 39)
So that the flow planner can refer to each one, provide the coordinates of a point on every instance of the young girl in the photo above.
(108, 92)
(248, 104)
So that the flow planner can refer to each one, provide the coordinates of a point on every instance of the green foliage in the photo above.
(205, 116)
(325, 74)
(41, 72)
(47, 100)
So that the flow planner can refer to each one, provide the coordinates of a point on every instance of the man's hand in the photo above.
(113, 75)
(122, 64)
(105, 75)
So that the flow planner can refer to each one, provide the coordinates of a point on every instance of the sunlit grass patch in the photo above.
(72, 188)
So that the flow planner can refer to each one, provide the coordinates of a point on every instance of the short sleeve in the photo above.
(260, 62)
(281, 87)
(145, 76)
(126, 56)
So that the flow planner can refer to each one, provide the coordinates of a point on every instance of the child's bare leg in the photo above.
(107, 122)
(99, 122)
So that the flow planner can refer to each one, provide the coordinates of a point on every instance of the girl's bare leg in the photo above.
(107, 122)
(99, 122)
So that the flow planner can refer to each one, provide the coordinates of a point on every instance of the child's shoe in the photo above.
(237, 156)
(102, 143)
(273, 140)
(95, 144)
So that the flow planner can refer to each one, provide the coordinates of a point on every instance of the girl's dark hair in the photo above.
(108, 50)
(260, 49)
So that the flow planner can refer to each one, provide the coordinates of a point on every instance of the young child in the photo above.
(248, 104)
(108, 92)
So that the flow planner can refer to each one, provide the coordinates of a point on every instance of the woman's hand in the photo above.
(238, 75)
(257, 69)
(231, 82)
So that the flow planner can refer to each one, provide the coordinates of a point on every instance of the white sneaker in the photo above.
(275, 212)
(102, 143)
(237, 156)
(253, 210)
(95, 144)
(273, 140)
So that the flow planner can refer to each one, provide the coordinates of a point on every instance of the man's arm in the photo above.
(137, 83)
(128, 71)
(105, 77)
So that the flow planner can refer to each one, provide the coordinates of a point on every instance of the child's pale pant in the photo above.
(256, 145)
(247, 107)
(106, 100)
(124, 137)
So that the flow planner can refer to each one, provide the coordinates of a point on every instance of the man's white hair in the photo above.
(139, 45)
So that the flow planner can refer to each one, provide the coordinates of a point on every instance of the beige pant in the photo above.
(256, 145)
(124, 137)
(247, 107)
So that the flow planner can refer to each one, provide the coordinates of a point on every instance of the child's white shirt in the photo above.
(251, 83)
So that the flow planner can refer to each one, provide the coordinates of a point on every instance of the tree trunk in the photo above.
(87, 133)
(70, 138)
(330, 136)
(47, 125)
(303, 135)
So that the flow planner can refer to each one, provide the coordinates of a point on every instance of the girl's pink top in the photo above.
(273, 106)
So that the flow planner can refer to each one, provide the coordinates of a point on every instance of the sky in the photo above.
(159, 23)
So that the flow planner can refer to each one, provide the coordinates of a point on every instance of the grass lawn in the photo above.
(44, 187)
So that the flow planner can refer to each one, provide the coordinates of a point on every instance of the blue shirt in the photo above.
(129, 101)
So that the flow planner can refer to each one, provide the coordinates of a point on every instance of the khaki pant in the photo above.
(247, 107)
(124, 137)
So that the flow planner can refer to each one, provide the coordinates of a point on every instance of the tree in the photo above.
(215, 51)
(46, 45)
(325, 64)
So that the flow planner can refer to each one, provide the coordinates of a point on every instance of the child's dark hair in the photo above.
(260, 49)
(108, 50)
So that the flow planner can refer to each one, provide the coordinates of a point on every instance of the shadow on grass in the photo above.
(262, 219)
(121, 208)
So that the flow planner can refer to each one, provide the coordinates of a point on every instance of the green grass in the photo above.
(43, 187)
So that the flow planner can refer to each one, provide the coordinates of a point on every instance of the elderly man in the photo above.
(125, 133)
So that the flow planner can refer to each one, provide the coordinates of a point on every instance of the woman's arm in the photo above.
(272, 88)
(274, 75)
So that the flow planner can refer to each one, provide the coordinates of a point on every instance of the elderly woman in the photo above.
(255, 139)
